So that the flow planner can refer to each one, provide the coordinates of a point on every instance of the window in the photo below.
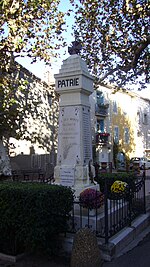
(100, 98)
(145, 119)
(116, 134)
(114, 107)
(126, 135)
(100, 125)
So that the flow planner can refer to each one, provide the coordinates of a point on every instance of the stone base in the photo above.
(91, 213)
(76, 177)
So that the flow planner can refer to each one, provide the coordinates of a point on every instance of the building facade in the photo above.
(121, 122)
(37, 146)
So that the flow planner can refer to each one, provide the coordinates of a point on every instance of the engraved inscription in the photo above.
(67, 176)
(69, 143)
(86, 136)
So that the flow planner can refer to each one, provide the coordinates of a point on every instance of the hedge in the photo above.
(32, 216)
(110, 178)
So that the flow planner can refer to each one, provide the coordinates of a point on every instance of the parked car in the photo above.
(141, 162)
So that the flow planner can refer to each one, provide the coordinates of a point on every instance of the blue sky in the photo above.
(39, 68)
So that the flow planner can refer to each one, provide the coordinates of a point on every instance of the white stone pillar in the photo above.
(74, 84)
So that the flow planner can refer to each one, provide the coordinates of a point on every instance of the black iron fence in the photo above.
(33, 175)
(115, 213)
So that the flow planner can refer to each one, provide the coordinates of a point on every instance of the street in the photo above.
(137, 257)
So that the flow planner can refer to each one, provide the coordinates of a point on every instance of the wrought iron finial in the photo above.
(75, 48)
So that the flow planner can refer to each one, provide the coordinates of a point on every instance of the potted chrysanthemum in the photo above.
(91, 199)
(118, 189)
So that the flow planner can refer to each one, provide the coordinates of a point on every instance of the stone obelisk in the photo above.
(74, 84)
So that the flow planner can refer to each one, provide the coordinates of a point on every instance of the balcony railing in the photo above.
(101, 109)
(102, 138)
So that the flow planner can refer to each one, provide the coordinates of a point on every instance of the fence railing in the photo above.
(32, 175)
(114, 215)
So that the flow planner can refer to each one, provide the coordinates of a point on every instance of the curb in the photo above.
(120, 243)
(10, 258)
(126, 239)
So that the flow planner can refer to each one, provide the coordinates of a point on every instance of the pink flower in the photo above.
(91, 198)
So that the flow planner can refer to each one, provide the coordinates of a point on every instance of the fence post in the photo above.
(110, 167)
(144, 176)
(106, 211)
(130, 205)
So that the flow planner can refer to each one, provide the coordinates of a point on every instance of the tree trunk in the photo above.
(5, 167)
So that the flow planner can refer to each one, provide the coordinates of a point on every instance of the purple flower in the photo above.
(91, 198)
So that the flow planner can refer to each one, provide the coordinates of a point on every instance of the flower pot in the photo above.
(116, 196)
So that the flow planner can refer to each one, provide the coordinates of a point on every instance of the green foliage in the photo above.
(110, 178)
(115, 39)
(32, 216)
(30, 28)
(27, 28)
